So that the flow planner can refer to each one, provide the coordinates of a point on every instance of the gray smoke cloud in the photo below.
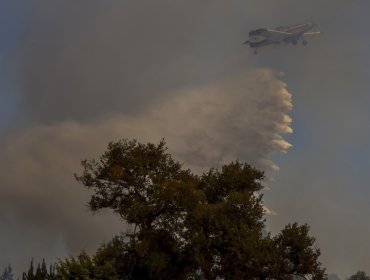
(80, 60)
(89, 73)
(95, 69)
(240, 117)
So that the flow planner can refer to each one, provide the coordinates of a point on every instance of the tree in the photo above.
(186, 226)
(360, 275)
(151, 191)
(7, 273)
(85, 268)
(297, 252)
(41, 272)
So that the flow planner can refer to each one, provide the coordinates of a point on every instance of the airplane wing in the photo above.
(278, 32)
(295, 28)
(311, 33)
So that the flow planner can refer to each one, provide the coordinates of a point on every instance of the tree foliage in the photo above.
(40, 273)
(297, 253)
(183, 225)
(187, 226)
(360, 275)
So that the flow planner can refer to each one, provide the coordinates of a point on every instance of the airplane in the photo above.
(281, 35)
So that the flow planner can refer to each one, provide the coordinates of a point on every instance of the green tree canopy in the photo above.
(186, 226)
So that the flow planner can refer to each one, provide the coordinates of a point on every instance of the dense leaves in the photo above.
(189, 226)
(297, 251)
(184, 226)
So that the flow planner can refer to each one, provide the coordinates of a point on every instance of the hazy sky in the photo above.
(77, 74)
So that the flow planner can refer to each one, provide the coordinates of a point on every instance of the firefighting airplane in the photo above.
(281, 35)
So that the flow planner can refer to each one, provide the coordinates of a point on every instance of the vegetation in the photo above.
(41, 272)
(360, 275)
(7, 273)
(185, 226)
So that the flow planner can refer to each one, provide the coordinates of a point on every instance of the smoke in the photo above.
(84, 74)
(87, 72)
(81, 60)
(240, 117)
